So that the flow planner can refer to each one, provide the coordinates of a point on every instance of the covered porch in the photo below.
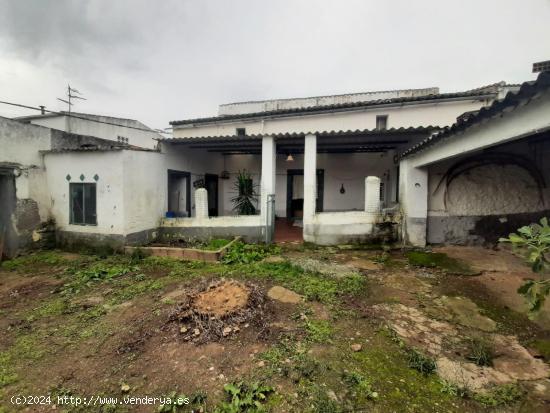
(329, 187)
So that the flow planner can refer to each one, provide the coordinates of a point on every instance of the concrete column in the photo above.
(310, 177)
(413, 200)
(267, 186)
(372, 194)
(201, 203)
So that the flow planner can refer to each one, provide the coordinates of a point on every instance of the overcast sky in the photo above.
(157, 61)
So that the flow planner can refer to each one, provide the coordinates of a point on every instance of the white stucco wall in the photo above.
(422, 114)
(145, 188)
(110, 188)
(102, 130)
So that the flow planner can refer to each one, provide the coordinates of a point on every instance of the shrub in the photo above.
(420, 362)
(241, 253)
(533, 242)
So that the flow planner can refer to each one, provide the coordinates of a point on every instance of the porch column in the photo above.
(310, 178)
(267, 186)
(413, 199)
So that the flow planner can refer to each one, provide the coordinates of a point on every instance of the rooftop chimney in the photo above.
(42, 109)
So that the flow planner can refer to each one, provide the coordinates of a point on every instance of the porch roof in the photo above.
(366, 140)
(527, 92)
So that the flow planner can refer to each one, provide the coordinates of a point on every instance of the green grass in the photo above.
(48, 258)
(314, 286)
(439, 260)
(542, 346)
(319, 331)
(216, 243)
(500, 395)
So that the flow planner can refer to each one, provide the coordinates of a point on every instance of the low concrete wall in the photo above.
(331, 228)
(189, 254)
(73, 240)
(248, 227)
(477, 230)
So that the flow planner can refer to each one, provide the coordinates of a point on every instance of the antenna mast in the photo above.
(72, 93)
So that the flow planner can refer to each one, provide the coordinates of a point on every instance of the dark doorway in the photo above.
(211, 185)
(179, 194)
(8, 236)
(294, 192)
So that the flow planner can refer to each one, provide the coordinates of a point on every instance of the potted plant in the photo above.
(246, 199)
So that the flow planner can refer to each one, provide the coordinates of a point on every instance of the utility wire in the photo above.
(70, 115)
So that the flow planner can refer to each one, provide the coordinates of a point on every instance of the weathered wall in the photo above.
(110, 188)
(131, 195)
(293, 103)
(145, 184)
(102, 130)
(22, 164)
(489, 201)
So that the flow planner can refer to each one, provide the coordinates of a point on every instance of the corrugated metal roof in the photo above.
(526, 92)
(343, 106)
(229, 138)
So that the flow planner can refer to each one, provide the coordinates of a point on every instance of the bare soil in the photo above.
(222, 299)
(138, 329)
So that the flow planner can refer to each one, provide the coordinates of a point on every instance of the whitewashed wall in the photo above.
(110, 188)
(145, 186)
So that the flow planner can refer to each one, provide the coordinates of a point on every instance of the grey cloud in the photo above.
(168, 59)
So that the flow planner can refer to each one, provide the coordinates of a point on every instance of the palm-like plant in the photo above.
(246, 197)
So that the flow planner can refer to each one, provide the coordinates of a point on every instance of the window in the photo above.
(241, 131)
(381, 122)
(122, 139)
(82, 204)
(382, 192)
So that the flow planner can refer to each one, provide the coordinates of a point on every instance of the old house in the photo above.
(35, 199)
(429, 167)
(329, 165)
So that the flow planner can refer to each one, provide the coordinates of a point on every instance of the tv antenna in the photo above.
(72, 93)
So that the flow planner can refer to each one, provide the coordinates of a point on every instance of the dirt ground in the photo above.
(328, 329)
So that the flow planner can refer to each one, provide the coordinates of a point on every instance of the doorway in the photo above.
(179, 194)
(295, 193)
(8, 236)
(211, 185)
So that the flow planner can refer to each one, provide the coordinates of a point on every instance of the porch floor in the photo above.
(285, 231)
